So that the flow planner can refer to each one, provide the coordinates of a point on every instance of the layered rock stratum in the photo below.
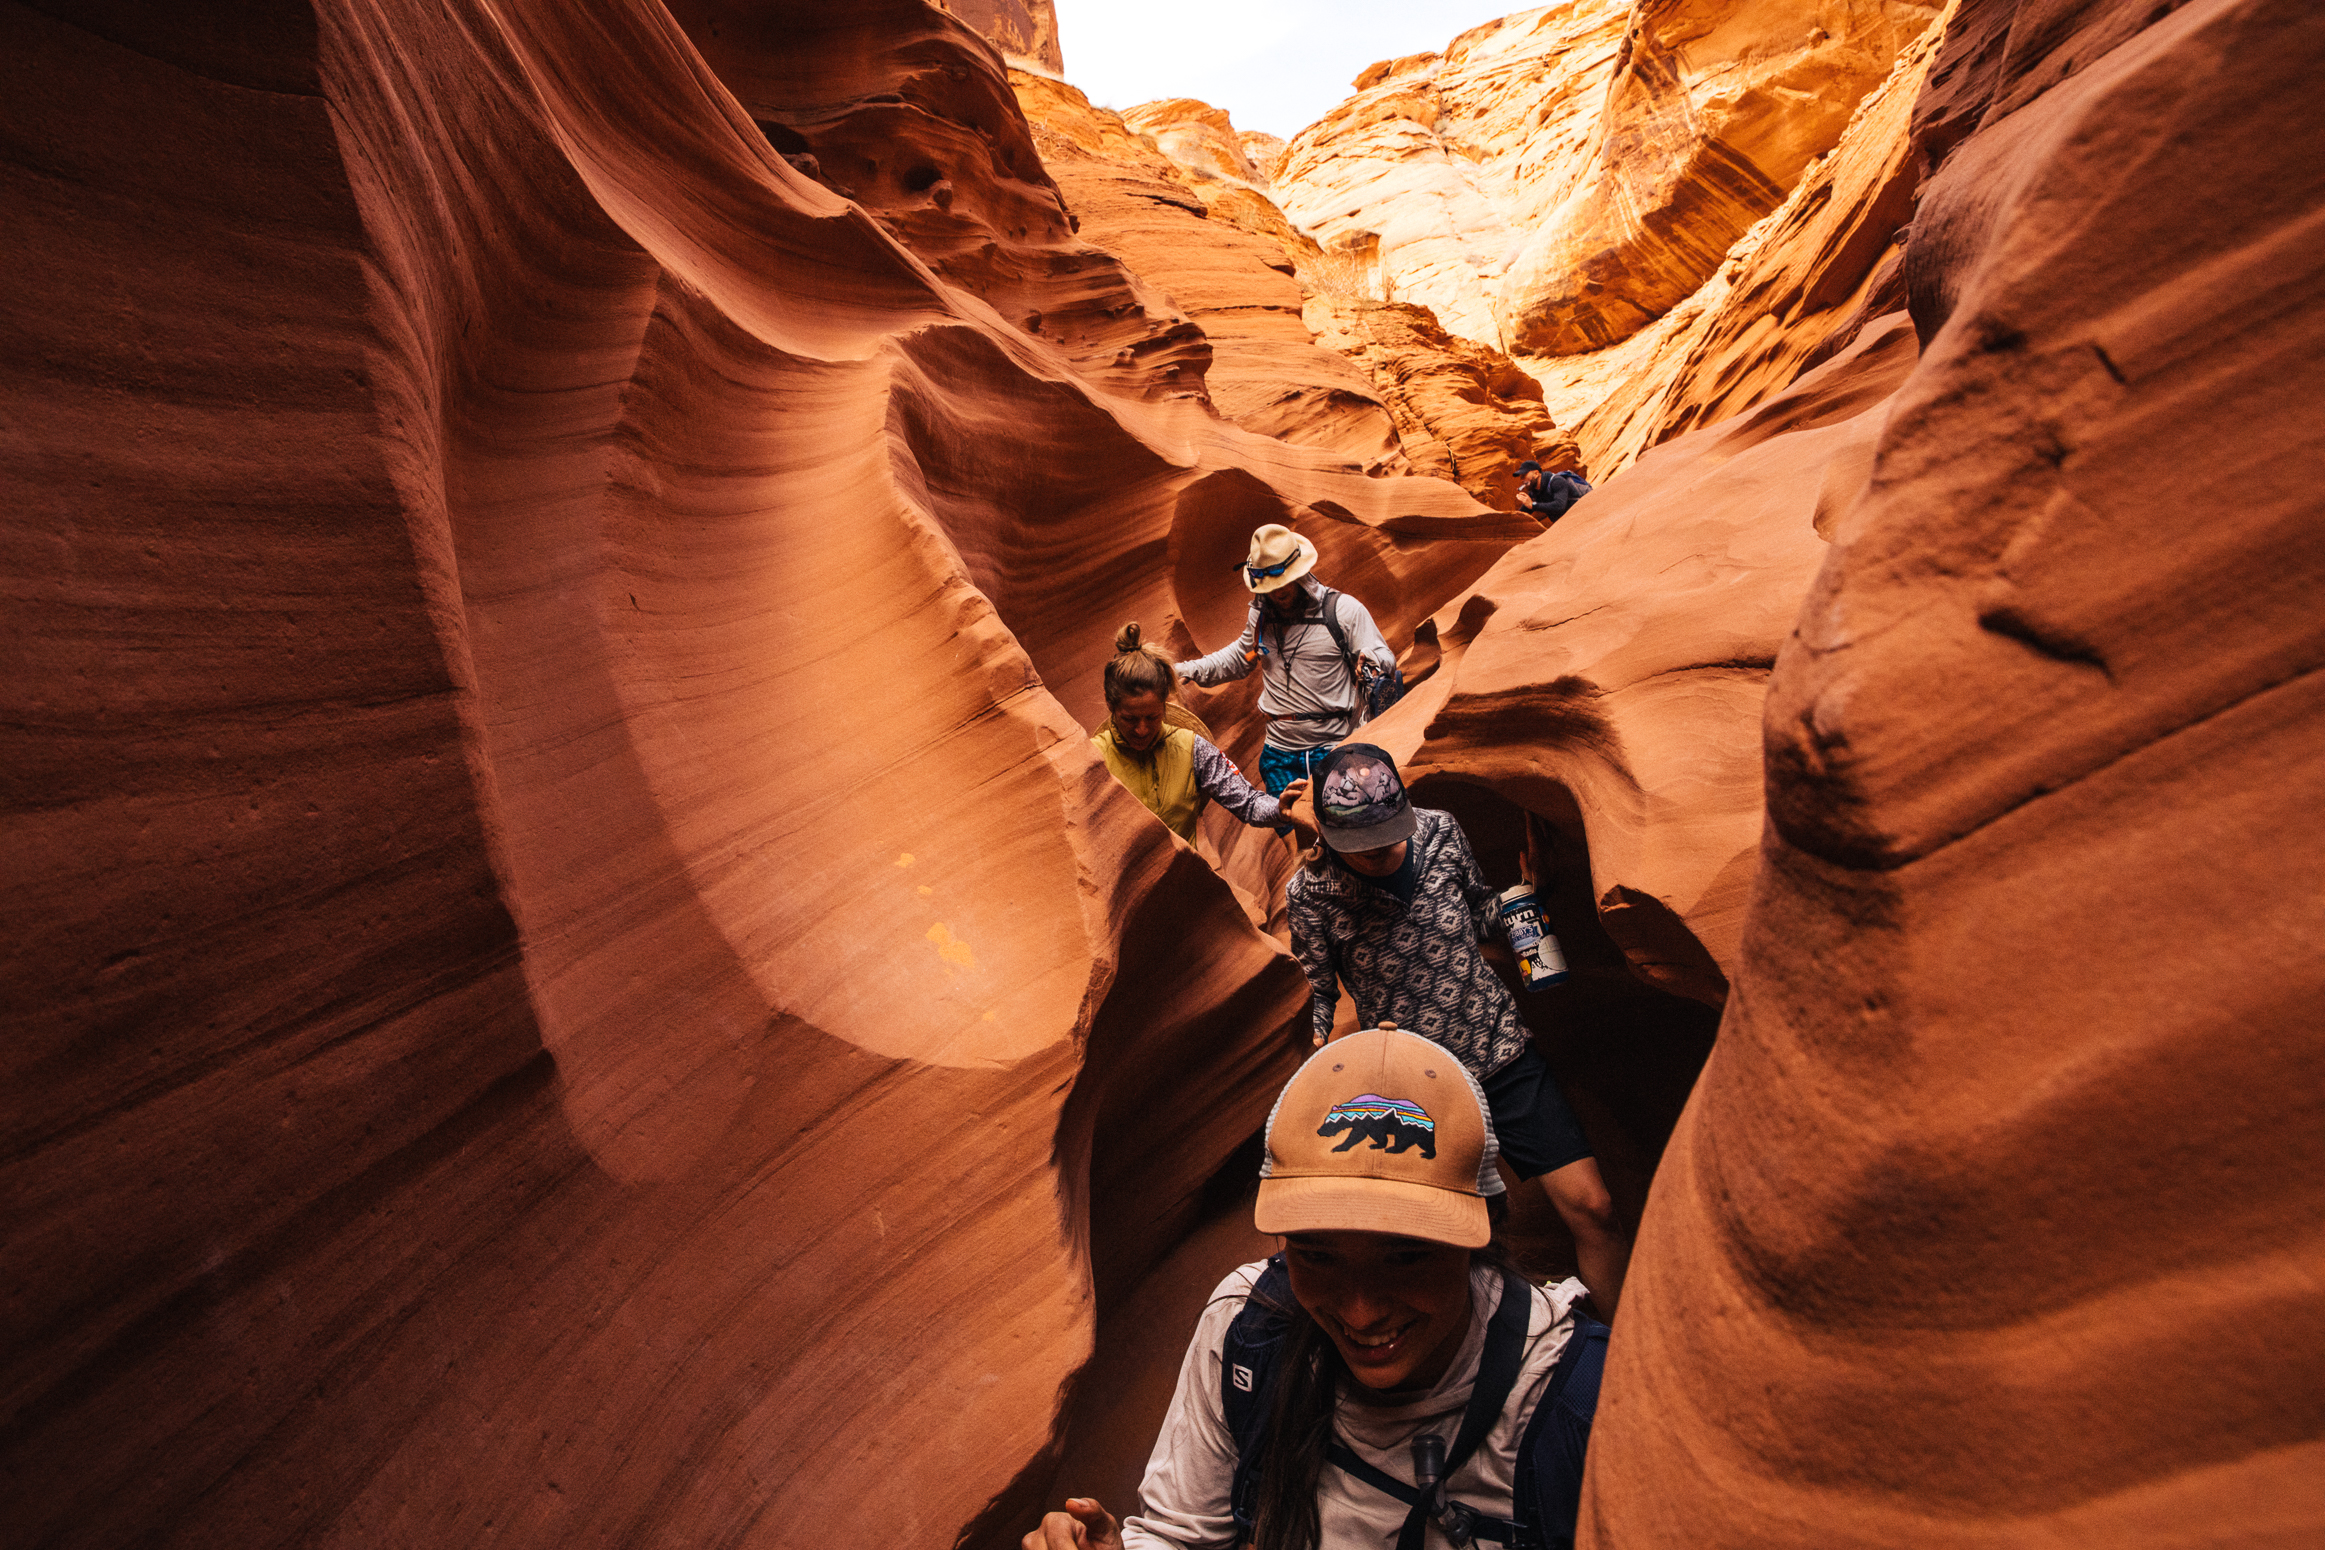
(575, 982)
(573, 978)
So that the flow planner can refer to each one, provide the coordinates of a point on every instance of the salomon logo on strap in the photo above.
(1242, 1377)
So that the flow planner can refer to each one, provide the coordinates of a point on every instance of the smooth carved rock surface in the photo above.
(1264, 369)
(2014, 1123)
(1608, 675)
(556, 863)
(1452, 408)
(1463, 411)
(1712, 114)
(1021, 29)
(1198, 136)
(1795, 289)
(1425, 181)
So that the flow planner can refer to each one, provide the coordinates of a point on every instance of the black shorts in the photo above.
(1538, 1132)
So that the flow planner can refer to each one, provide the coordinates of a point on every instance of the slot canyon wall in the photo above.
(572, 977)
(576, 982)
(2013, 1124)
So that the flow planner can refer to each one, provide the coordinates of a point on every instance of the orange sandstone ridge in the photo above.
(574, 978)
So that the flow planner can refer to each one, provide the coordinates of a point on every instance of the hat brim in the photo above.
(1305, 563)
(1339, 1203)
(1380, 836)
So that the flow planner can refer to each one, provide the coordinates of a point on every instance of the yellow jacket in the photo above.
(1163, 777)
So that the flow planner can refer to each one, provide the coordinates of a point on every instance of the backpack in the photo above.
(1548, 1491)
(1558, 494)
(1374, 695)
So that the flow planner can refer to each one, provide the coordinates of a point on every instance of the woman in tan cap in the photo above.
(1388, 1378)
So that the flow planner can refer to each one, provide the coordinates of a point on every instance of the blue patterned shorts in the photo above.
(1279, 767)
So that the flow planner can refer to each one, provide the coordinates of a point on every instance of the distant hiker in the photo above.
(1548, 496)
(1162, 751)
(1322, 663)
(1388, 1378)
(1395, 908)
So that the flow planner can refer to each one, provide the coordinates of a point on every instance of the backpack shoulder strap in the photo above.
(1497, 1374)
(1329, 605)
(1547, 1495)
(1247, 1380)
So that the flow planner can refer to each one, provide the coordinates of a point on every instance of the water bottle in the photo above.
(1540, 961)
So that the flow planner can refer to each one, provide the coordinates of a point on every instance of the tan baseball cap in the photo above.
(1381, 1131)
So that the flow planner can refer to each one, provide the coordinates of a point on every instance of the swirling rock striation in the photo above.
(2013, 1124)
(558, 864)
(1713, 113)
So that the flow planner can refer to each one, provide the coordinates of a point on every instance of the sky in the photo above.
(1274, 65)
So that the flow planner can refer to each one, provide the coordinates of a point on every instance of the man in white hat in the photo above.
(1314, 647)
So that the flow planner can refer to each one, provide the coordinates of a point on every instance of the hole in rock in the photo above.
(921, 179)
(783, 137)
(1625, 1052)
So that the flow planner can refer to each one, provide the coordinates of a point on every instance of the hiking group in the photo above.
(1388, 1375)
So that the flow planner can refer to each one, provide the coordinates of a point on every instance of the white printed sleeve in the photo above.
(1217, 778)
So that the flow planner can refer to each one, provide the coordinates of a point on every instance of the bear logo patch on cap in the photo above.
(1398, 1124)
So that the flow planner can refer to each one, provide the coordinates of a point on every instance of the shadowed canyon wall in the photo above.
(575, 982)
(2013, 1125)
(557, 860)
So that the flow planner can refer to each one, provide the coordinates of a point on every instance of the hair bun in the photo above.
(1126, 639)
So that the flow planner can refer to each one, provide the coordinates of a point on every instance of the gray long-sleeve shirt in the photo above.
(1307, 689)
(1184, 1500)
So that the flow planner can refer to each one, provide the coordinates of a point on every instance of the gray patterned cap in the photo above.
(1360, 799)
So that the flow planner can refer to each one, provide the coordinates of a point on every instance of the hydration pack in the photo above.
(1548, 1490)
(1375, 693)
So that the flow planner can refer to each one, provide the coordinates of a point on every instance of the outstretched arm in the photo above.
(1484, 906)
(1084, 1525)
(1227, 664)
(1217, 778)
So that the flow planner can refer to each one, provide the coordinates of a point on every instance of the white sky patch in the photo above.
(1274, 65)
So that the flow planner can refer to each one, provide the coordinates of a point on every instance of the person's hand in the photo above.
(1292, 797)
(1084, 1525)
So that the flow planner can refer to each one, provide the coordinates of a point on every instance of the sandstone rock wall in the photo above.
(1021, 29)
(1712, 114)
(2013, 1123)
(1584, 185)
(1795, 289)
(575, 983)
(1145, 208)
(557, 865)
(1298, 351)
(1429, 177)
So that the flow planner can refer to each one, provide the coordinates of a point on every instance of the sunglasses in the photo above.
(1267, 572)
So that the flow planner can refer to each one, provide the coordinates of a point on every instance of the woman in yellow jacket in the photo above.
(1158, 749)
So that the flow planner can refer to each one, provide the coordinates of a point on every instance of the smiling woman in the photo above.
(1388, 1377)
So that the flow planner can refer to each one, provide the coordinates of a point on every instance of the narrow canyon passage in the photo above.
(574, 980)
